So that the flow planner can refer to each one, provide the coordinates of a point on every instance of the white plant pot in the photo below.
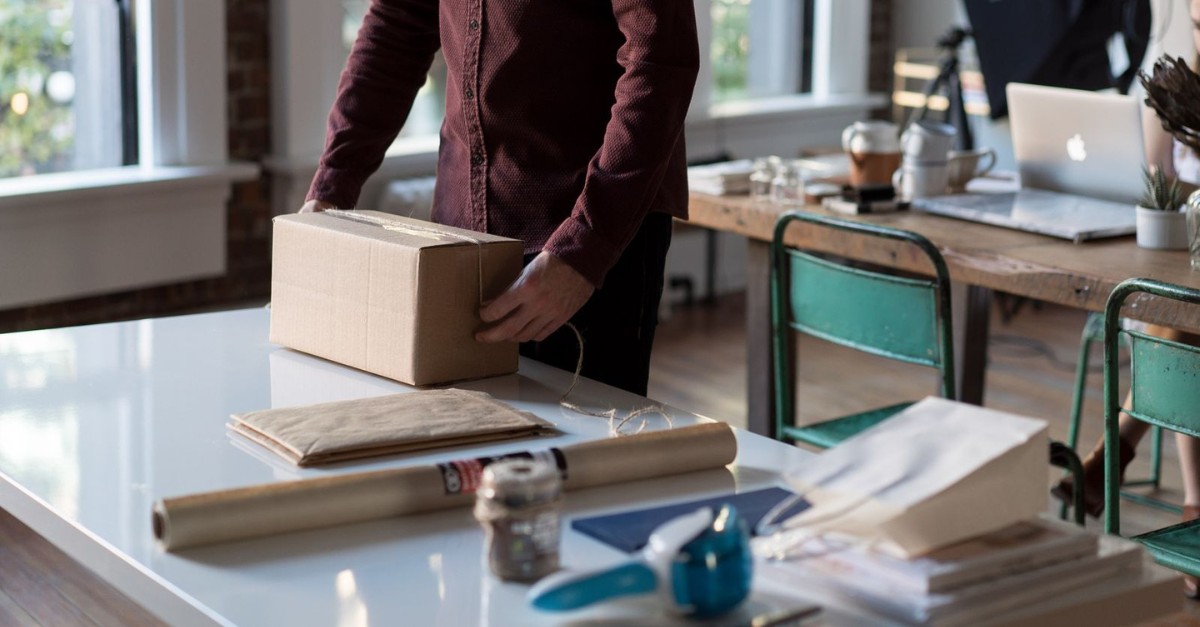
(1161, 230)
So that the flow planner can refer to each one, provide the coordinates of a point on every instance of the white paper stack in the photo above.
(719, 179)
(973, 582)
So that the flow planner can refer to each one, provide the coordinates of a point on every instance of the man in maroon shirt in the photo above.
(564, 129)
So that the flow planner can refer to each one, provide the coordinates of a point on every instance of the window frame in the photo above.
(87, 232)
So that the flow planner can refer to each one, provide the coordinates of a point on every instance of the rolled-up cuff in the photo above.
(588, 252)
(339, 187)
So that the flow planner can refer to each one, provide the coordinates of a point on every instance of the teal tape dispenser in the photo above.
(699, 563)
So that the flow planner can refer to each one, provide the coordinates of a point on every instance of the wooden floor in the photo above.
(40, 585)
(699, 365)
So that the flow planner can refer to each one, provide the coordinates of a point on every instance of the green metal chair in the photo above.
(1165, 389)
(1093, 332)
(900, 318)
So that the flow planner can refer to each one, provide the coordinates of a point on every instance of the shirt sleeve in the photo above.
(388, 63)
(660, 59)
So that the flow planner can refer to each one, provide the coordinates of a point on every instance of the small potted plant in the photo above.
(1160, 223)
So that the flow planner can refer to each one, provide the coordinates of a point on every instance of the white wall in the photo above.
(1172, 30)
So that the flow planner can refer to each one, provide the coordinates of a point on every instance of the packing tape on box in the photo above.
(254, 511)
(415, 231)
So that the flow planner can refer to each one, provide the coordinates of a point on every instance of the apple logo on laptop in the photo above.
(1076, 149)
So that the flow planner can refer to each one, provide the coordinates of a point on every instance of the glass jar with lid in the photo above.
(787, 188)
(761, 178)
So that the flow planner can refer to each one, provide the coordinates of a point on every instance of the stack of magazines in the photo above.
(971, 582)
(719, 179)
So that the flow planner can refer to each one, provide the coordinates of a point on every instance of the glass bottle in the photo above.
(787, 189)
(1193, 228)
(761, 178)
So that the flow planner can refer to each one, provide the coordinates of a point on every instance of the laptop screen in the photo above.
(1077, 142)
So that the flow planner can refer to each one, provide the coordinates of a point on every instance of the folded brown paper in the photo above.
(269, 509)
(385, 425)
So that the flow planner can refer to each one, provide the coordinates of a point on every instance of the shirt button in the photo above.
(476, 159)
(473, 24)
(468, 93)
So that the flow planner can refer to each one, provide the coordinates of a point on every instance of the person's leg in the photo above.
(1189, 465)
(1189, 447)
(618, 322)
(1189, 456)
(1130, 431)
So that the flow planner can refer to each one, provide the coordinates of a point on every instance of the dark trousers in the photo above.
(618, 321)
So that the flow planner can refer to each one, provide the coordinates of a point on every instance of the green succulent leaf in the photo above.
(1161, 192)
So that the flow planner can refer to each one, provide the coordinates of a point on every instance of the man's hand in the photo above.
(315, 206)
(541, 300)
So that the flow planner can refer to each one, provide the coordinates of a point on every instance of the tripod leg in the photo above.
(957, 112)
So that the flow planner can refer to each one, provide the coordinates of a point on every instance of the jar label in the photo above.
(462, 476)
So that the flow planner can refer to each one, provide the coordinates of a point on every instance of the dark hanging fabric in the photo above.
(1061, 43)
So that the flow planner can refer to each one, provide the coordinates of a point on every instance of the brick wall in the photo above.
(879, 65)
(247, 279)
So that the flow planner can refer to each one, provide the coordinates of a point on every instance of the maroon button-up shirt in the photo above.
(564, 118)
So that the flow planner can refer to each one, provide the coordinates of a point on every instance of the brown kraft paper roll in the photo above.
(269, 509)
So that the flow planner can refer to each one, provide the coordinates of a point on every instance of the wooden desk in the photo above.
(984, 258)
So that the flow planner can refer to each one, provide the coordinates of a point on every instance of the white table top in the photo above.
(101, 421)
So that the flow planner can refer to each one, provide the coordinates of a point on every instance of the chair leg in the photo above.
(1063, 456)
(1093, 331)
(1081, 372)
(1156, 457)
(1153, 480)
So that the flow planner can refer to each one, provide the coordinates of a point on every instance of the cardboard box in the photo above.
(394, 296)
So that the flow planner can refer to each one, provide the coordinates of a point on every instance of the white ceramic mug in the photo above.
(871, 136)
(966, 165)
(920, 180)
(874, 150)
(926, 141)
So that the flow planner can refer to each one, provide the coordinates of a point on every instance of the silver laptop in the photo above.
(1080, 156)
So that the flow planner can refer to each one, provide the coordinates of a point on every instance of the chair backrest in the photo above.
(1164, 380)
(901, 318)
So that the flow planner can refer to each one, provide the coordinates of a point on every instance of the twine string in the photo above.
(615, 426)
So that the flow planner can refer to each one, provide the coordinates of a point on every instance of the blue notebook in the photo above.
(629, 531)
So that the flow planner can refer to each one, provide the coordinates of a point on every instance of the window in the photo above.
(160, 221)
(760, 48)
(61, 86)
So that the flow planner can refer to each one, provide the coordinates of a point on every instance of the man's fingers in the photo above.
(506, 329)
(533, 330)
(314, 206)
(553, 325)
(502, 306)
